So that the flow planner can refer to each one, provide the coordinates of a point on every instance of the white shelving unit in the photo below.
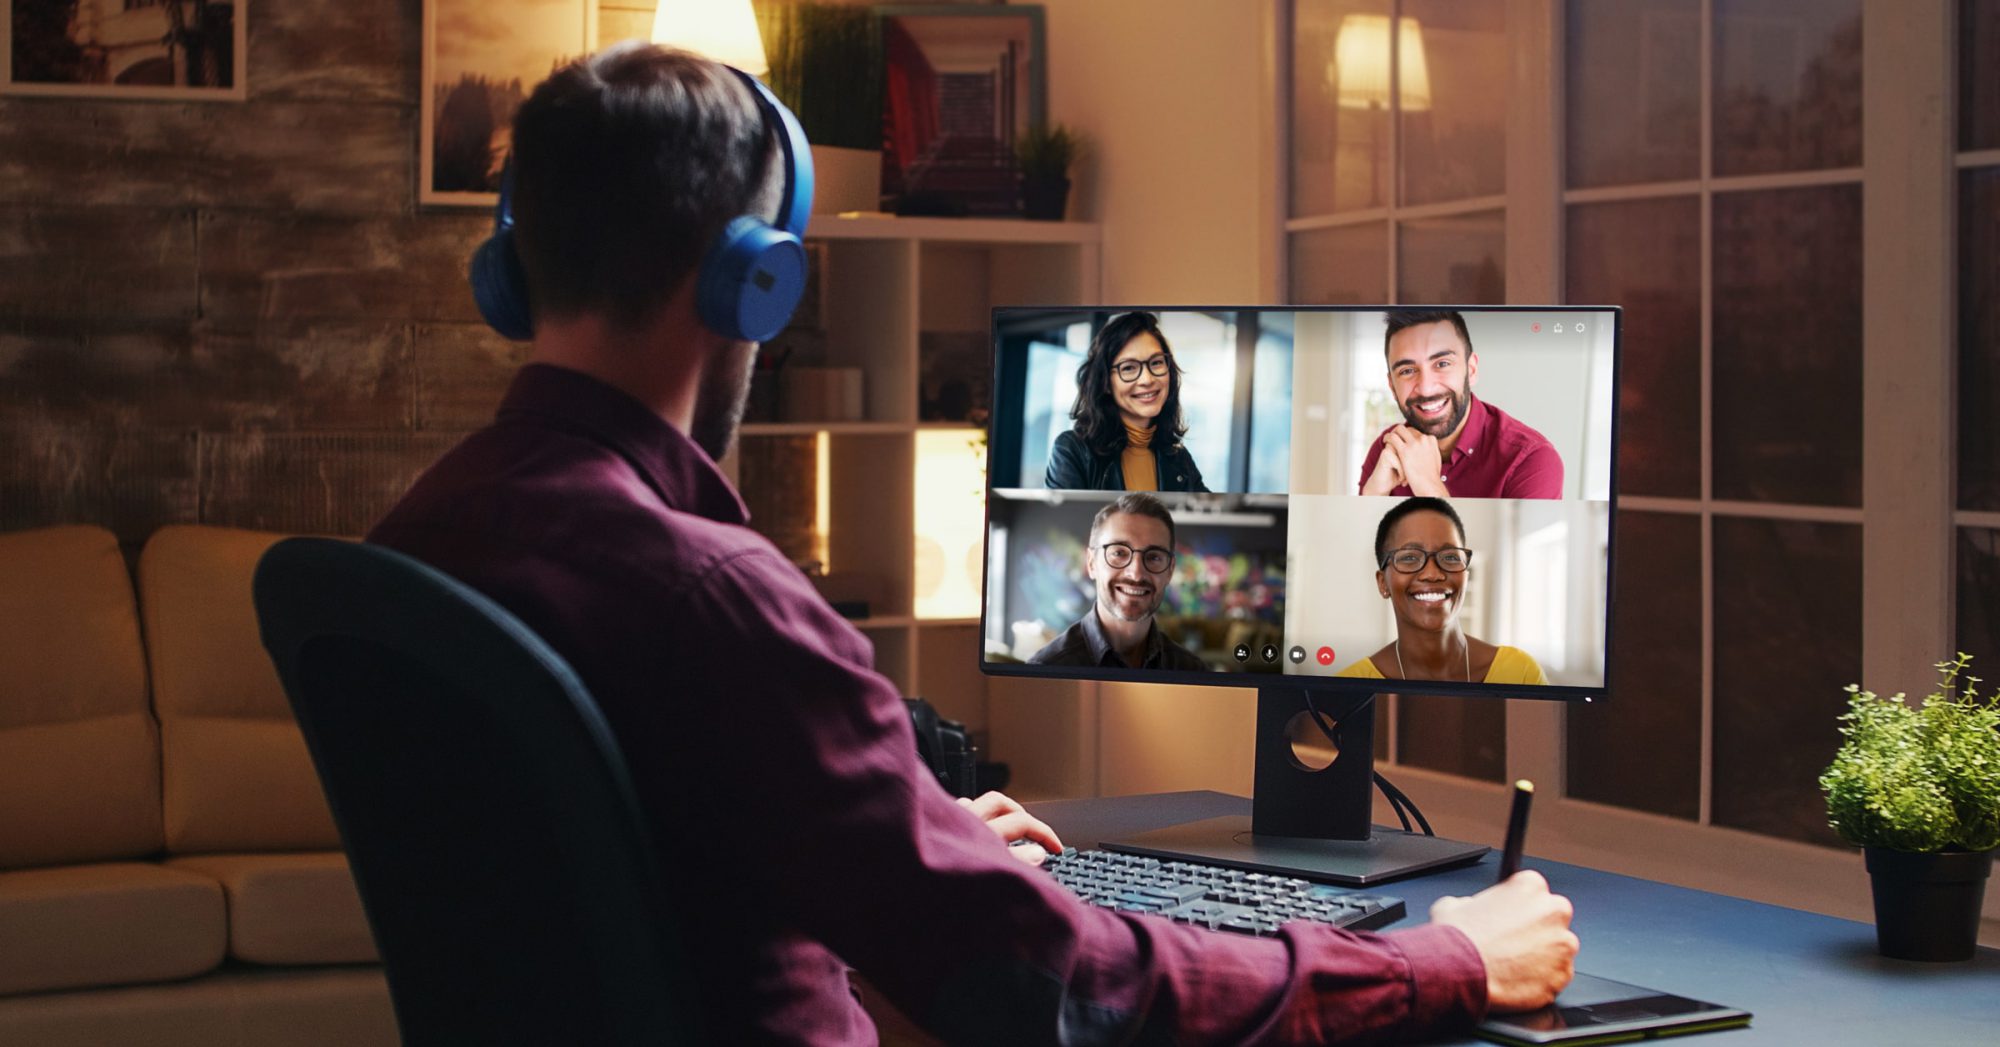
(885, 283)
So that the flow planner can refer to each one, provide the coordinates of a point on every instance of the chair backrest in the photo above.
(495, 837)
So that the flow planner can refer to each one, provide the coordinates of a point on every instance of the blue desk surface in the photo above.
(1808, 979)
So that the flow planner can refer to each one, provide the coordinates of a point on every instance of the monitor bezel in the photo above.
(1351, 686)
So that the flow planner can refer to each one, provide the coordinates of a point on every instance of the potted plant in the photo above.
(1045, 154)
(1918, 789)
(826, 62)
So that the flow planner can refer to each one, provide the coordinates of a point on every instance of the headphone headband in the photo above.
(796, 206)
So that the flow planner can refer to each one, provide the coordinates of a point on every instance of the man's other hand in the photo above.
(1016, 826)
(1388, 474)
(1522, 933)
(1417, 455)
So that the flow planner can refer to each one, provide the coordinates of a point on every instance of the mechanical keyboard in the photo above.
(1215, 896)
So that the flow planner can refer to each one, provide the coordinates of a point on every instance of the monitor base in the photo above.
(1387, 854)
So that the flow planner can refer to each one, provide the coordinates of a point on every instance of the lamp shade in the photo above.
(722, 30)
(1359, 69)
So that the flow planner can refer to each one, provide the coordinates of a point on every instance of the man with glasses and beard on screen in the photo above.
(1451, 444)
(1129, 559)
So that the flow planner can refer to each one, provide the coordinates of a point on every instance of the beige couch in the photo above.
(168, 871)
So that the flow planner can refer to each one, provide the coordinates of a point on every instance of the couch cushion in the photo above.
(107, 924)
(234, 1007)
(235, 772)
(289, 908)
(79, 753)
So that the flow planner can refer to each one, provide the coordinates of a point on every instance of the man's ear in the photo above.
(1471, 368)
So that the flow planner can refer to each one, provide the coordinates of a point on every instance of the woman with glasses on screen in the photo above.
(1424, 569)
(1128, 426)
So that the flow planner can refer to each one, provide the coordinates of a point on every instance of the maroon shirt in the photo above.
(781, 776)
(1497, 456)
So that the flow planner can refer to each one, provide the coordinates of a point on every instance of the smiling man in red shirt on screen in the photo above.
(1451, 443)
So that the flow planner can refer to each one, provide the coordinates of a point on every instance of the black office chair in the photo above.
(500, 852)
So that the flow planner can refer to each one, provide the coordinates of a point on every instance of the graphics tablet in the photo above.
(1599, 1010)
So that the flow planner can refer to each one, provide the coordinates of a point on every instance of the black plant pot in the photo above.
(1927, 905)
(1044, 198)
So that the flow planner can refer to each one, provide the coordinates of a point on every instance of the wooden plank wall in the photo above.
(235, 313)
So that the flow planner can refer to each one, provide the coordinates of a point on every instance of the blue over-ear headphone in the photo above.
(749, 281)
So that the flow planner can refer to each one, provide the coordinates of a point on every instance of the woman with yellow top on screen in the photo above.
(1424, 569)
(1127, 419)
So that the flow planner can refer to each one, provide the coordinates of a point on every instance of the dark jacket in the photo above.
(1075, 467)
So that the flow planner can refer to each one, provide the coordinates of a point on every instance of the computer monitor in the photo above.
(1347, 501)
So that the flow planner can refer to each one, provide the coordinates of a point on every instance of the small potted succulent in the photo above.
(1918, 789)
(1045, 154)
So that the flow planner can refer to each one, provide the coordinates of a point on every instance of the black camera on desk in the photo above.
(946, 748)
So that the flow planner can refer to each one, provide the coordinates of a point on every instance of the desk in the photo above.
(1809, 979)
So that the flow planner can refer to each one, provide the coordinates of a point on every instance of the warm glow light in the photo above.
(723, 30)
(823, 500)
(1359, 71)
(951, 522)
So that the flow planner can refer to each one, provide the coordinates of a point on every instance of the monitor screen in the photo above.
(1327, 496)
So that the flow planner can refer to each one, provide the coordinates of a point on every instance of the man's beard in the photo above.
(718, 404)
(1461, 402)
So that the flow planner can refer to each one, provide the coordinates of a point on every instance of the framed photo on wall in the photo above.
(182, 50)
(480, 61)
(960, 84)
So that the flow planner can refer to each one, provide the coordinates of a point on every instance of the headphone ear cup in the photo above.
(751, 280)
(500, 287)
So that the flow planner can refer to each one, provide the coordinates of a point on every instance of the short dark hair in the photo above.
(1397, 320)
(627, 165)
(1138, 503)
(1095, 413)
(1417, 504)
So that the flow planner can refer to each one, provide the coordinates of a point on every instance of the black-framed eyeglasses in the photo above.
(1128, 370)
(1451, 559)
(1118, 555)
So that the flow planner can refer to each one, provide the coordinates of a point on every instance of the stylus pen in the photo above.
(1517, 829)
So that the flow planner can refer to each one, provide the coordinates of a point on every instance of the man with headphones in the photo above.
(648, 239)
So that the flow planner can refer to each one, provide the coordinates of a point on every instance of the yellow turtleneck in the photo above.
(1141, 472)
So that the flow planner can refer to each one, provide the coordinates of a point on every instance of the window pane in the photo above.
(1659, 396)
(1205, 348)
(1787, 346)
(1454, 100)
(1787, 639)
(1271, 405)
(1340, 106)
(1641, 747)
(1979, 340)
(1787, 85)
(1979, 74)
(1978, 610)
(1460, 260)
(1634, 91)
(1347, 265)
(1049, 392)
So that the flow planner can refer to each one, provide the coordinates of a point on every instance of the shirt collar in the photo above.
(1474, 434)
(1100, 644)
(674, 466)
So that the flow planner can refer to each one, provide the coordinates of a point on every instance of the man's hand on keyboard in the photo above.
(1030, 839)
(1522, 933)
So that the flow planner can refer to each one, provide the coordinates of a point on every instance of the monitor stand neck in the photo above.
(1309, 823)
